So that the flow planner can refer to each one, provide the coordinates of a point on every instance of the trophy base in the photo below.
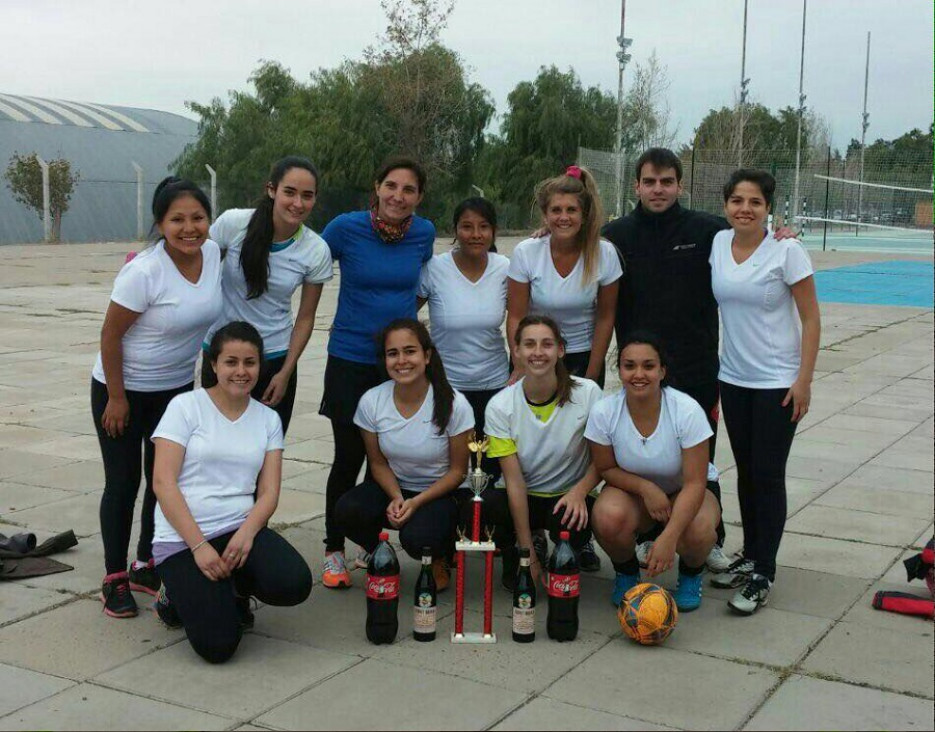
(474, 638)
(475, 546)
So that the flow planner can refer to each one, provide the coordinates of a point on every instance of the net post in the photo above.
(824, 236)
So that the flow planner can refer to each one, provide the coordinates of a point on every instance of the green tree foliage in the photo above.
(24, 178)
(769, 140)
(906, 160)
(408, 95)
(547, 119)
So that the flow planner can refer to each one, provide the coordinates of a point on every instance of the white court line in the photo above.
(32, 109)
(874, 185)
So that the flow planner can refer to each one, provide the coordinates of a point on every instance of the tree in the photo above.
(646, 111)
(24, 178)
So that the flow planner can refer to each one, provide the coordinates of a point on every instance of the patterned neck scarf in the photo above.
(388, 232)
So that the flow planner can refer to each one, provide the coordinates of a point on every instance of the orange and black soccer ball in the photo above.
(648, 614)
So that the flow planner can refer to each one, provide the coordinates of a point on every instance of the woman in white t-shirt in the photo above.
(269, 254)
(536, 429)
(415, 428)
(162, 303)
(215, 447)
(570, 274)
(649, 443)
(466, 292)
(772, 327)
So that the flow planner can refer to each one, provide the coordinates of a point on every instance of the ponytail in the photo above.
(565, 383)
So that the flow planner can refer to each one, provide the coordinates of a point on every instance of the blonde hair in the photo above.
(579, 182)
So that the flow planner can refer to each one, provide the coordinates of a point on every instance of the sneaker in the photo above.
(752, 596)
(143, 578)
(623, 583)
(442, 574)
(736, 574)
(642, 552)
(244, 613)
(334, 573)
(510, 559)
(362, 560)
(688, 592)
(540, 546)
(116, 596)
(588, 559)
(717, 560)
(166, 611)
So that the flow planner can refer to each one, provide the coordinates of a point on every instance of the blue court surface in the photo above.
(910, 284)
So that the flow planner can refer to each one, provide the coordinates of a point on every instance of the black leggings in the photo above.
(274, 573)
(126, 458)
(478, 401)
(577, 365)
(760, 430)
(361, 514)
(268, 369)
(496, 512)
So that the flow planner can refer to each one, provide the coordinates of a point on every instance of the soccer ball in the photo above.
(648, 614)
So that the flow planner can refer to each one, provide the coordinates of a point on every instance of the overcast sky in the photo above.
(160, 53)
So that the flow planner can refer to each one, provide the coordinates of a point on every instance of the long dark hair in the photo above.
(434, 369)
(483, 208)
(565, 383)
(171, 188)
(646, 338)
(254, 253)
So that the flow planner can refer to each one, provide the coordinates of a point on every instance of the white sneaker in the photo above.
(642, 552)
(717, 560)
(736, 575)
(752, 596)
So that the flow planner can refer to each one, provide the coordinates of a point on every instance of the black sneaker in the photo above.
(116, 596)
(752, 596)
(588, 559)
(510, 559)
(166, 611)
(144, 578)
(244, 613)
(540, 546)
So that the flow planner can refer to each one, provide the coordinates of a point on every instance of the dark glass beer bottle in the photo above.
(524, 602)
(382, 593)
(425, 603)
(564, 586)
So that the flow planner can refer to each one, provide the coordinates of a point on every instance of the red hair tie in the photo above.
(573, 171)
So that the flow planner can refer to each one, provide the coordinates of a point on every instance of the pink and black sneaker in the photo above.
(143, 578)
(116, 596)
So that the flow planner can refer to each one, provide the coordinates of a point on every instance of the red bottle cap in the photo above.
(385, 536)
(563, 535)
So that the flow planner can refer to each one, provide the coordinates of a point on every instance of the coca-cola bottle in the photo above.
(425, 605)
(382, 593)
(524, 602)
(564, 587)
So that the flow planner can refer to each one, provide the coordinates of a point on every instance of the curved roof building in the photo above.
(102, 142)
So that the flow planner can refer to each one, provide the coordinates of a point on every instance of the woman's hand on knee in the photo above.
(238, 548)
(661, 556)
(657, 503)
(210, 563)
(574, 511)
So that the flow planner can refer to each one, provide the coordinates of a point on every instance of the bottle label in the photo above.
(524, 615)
(425, 611)
(382, 588)
(564, 585)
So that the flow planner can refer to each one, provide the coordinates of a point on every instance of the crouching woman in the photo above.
(212, 548)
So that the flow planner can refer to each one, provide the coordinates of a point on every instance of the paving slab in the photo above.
(20, 687)
(816, 468)
(87, 558)
(803, 703)
(548, 714)
(17, 496)
(862, 526)
(80, 513)
(409, 698)
(891, 478)
(298, 506)
(15, 463)
(881, 657)
(79, 641)
(835, 556)
(90, 707)
(263, 673)
(877, 425)
(82, 476)
(18, 601)
(879, 500)
(608, 681)
(73, 447)
(312, 451)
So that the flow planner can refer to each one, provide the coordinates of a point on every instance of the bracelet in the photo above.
(199, 545)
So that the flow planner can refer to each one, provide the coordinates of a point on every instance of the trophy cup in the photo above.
(478, 480)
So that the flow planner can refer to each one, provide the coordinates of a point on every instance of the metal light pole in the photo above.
(744, 81)
(46, 200)
(798, 137)
(622, 58)
(865, 123)
(139, 199)
(214, 191)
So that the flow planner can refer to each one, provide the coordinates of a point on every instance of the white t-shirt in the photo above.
(553, 455)
(466, 318)
(222, 459)
(762, 344)
(657, 458)
(416, 453)
(161, 347)
(304, 259)
(563, 298)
